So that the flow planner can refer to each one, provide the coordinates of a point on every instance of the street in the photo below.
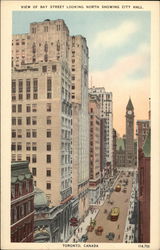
(121, 200)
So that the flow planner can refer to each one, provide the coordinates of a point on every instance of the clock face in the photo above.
(129, 112)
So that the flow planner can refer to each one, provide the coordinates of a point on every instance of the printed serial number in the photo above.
(144, 245)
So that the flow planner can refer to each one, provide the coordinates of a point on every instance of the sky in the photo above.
(119, 53)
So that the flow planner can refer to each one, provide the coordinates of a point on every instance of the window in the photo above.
(73, 86)
(13, 108)
(49, 120)
(34, 146)
(13, 157)
(49, 107)
(28, 158)
(19, 157)
(44, 69)
(20, 86)
(45, 28)
(28, 146)
(49, 95)
(28, 120)
(34, 107)
(34, 171)
(20, 96)
(34, 120)
(35, 96)
(28, 85)
(48, 185)
(46, 47)
(33, 30)
(48, 172)
(54, 68)
(49, 84)
(19, 108)
(34, 133)
(73, 77)
(34, 158)
(13, 86)
(35, 85)
(13, 147)
(13, 120)
(28, 96)
(34, 48)
(28, 133)
(28, 108)
(48, 158)
(13, 133)
(19, 146)
(46, 58)
(19, 120)
(48, 146)
(48, 133)
(19, 133)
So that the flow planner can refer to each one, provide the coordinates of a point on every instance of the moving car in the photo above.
(110, 236)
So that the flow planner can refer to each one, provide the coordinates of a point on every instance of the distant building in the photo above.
(94, 155)
(120, 153)
(22, 203)
(144, 190)
(129, 147)
(142, 131)
(106, 115)
(114, 151)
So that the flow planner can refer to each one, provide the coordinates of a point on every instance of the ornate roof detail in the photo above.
(129, 105)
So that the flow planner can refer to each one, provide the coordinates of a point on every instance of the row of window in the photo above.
(22, 188)
(29, 108)
(29, 146)
(31, 158)
(34, 172)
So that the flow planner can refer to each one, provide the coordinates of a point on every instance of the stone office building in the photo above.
(49, 75)
(94, 166)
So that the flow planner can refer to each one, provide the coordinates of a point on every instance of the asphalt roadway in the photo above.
(120, 200)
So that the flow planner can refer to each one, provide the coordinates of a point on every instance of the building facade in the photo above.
(78, 59)
(22, 203)
(94, 165)
(120, 153)
(129, 147)
(39, 135)
(144, 172)
(114, 151)
(142, 131)
(49, 75)
(106, 115)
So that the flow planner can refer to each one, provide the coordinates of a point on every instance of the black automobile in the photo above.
(110, 236)
(84, 238)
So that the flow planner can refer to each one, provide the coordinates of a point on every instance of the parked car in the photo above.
(84, 238)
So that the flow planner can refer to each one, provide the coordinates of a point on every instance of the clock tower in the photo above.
(129, 149)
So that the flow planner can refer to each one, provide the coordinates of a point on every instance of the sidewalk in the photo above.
(82, 229)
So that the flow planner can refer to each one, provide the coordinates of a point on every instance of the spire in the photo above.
(130, 105)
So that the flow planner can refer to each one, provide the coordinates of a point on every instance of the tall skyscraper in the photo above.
(49, 77)
(129, 146)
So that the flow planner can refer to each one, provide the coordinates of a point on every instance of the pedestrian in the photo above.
(78, 230)
(74, 240)
(81, 229)
(118, 226)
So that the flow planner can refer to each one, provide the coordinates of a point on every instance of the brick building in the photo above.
(22, 203)
(144, 190)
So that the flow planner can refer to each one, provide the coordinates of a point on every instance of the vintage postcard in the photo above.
(80, 126)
